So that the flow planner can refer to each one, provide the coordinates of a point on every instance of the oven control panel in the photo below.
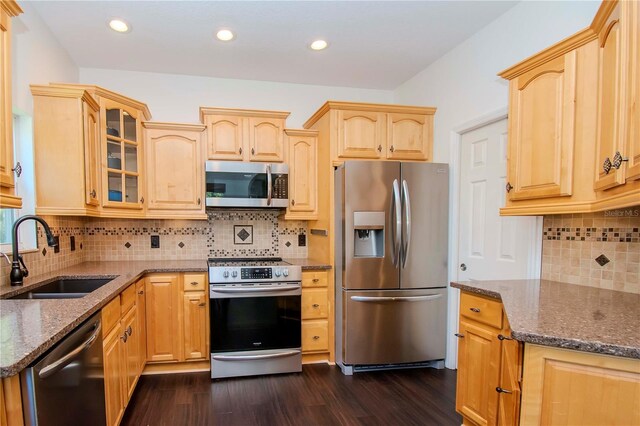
(256, 273)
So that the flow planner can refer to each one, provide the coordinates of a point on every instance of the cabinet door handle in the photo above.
(293, 202)
(379, 148)
(502, 337)
(391, 149)
(253, 151)
(142, 200)
(202, 304)
(199, 201)
(124, 337)
(476, 310)
(17, 169)
(500, 390)
(508, 187)
(459, 336)
(93, 193)
(240, 150)
(315, 305)
(141, 292)
(617, 160)
(316, 337)
(129, 331)
(606, 166)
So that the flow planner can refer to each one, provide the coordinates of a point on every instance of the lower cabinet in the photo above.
(177, 317)
(121, 349)
(489, 364)
(316, 316)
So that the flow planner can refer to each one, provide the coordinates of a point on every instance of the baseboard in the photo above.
(176, 367)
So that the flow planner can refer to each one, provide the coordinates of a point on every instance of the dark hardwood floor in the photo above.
(320, 395)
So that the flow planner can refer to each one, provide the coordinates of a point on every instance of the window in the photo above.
(25, 187)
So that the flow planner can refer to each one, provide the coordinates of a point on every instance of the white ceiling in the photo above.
(375, 45)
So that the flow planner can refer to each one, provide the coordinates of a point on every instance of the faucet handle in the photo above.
(25, 271)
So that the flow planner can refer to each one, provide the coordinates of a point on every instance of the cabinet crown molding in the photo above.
(11, 7)
(204, 111)
(101, 92)
(173, 126)
(64, 92)
(360, 106)
(301, 132)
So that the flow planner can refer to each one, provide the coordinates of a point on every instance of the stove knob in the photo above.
(277, 272)
(285, 272)
(225, 274)
(234, 274)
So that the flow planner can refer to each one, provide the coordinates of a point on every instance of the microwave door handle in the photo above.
(269, 184)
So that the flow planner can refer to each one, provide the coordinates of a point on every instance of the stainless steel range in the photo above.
(255, 314)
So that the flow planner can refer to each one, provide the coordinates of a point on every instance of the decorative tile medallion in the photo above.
(243, 234)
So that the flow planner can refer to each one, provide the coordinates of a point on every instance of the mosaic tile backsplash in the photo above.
(129, 239)
(596, 249)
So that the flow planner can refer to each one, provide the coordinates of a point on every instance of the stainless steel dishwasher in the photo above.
(66, 385)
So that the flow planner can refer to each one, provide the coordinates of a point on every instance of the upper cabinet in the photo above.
(175, 170)
(66, 151)
(542, 129)
(244, 135)
(377, 132)
(573, 120)
(8, 197)
(303, 174)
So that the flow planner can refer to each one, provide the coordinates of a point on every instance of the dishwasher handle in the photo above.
(58, 365)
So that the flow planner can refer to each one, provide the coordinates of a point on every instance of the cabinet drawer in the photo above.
(314, 279)
(481, 309)
(315, 336)
(128, 298)
(194, 282)
(314, 303)
(110, 315)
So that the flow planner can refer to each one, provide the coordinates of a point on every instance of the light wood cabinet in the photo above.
(315, 336)
(303, 174)
(317, 316)
(632, 30)
(409, 136)
(163, 303)
(8, 197)
(489, 364)
(244, 135)
(11, 402)
(177, 308)
(314, 303)
(66, 146)
(361, 134)
(141, 306)
(122, 331)
(542, 130)
(564, 387)
(175, 170)
(196, 320)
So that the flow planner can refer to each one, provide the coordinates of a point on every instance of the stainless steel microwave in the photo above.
(239, 184)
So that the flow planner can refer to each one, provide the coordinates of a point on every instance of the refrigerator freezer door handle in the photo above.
(396, 225)
(395, 299)
(407, 209)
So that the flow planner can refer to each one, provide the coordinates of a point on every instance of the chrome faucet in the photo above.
(18, 273)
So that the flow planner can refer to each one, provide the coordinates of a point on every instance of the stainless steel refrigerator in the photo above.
(391, 264)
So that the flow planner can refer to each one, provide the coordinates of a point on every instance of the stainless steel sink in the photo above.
(64, 288)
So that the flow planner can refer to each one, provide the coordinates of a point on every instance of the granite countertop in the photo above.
(566, 315)
(28, 328)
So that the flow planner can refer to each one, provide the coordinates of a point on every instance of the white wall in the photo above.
(37, 58)
(173, 97)
(463, 84)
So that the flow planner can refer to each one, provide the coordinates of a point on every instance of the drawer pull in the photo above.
(315, 280)
(316, 337)
(460, 336)
(315, 305)
(202, 304)
(500, 390)
(194, 282)
(141, 292)
(476, 310)
(502, 337)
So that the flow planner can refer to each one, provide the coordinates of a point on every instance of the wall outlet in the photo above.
(72, 243)
(56, 249)
(155, 241)
(302, 240)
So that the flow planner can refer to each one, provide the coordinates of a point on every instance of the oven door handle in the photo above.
(254, 357)
(256, 290)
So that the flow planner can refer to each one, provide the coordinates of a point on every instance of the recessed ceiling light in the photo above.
(318, 45)
(224, 35)
(119, 25)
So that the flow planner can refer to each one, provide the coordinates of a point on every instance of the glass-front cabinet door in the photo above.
(122, 157)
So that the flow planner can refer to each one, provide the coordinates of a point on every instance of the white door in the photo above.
(491, 246)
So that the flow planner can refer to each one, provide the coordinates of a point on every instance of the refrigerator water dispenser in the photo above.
(368, 234)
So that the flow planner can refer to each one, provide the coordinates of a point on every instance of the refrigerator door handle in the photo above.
(407, 210)
(395, 299)
(396, 222)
